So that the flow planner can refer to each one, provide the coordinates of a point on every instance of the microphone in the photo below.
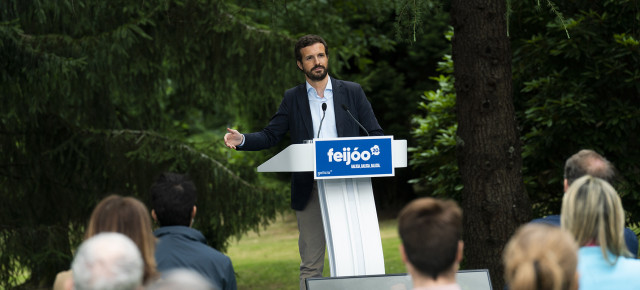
(324, 112)
(354, 118)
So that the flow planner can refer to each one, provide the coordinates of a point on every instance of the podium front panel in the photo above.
(351, 227)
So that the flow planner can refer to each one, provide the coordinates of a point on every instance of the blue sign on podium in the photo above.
(353, 157)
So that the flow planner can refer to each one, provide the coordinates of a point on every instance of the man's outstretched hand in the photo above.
(233, 138)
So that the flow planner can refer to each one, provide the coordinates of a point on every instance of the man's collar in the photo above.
(183, 231)
(328, 87)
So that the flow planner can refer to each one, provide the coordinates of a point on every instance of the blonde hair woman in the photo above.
(541, 256)
(592, 212)
(125, 215)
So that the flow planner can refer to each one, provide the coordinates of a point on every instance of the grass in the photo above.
(270, 259)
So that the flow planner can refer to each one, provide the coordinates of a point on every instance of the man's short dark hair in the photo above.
(430, 230)
(588, 162)
(307, 40)
(172, 198)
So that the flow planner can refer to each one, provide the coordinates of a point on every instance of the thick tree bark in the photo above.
(489, 153)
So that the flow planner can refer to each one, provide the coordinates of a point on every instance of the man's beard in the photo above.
(317, 77)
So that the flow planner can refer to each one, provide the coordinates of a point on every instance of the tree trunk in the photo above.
(489, 153)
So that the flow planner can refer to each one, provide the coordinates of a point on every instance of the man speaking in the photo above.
(322, 107)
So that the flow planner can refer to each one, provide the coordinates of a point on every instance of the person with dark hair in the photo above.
(321, 100)
(431, 246)
(173, 206)
(589, 162)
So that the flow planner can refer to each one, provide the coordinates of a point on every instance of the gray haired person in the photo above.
(178, 279)
(108, 261)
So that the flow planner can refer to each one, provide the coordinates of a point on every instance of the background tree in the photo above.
(489, 154)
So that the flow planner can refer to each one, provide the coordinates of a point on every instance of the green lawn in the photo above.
(270, 260)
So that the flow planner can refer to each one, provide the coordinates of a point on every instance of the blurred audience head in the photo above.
(431, 233)
(181, 279)
(107, 261)
(587, 162)
(592, 212)
(130, 217)
(173, 200)
(541, 257)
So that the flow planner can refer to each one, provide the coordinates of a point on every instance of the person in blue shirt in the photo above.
(589, 162)
(592, 212)
(173, 199)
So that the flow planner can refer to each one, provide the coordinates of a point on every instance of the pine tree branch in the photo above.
(141, 134)
(132, 25)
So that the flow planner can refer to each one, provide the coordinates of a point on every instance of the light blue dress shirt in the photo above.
(328, 129)
(596, 273)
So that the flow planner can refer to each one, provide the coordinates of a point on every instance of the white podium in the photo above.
(354, 246)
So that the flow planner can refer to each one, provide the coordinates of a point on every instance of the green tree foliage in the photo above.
(579, 92)
(99, 97)
(435, 135)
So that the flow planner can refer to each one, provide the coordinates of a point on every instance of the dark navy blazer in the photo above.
(294, 116)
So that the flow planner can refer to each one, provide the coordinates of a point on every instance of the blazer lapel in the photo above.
(339, 98)
(305, 111)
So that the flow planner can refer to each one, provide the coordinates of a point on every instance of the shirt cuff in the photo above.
(242, 144)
